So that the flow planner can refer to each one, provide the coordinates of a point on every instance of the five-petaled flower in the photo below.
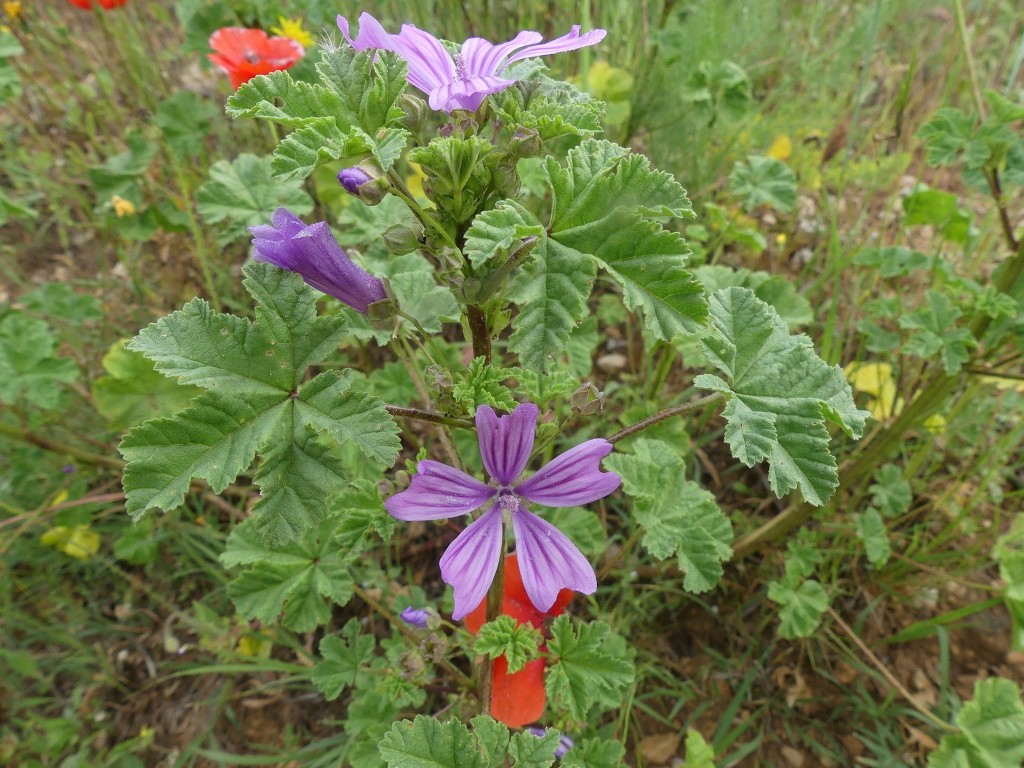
(313, 252)
(547, 559)
(477, 70)
(244, 53)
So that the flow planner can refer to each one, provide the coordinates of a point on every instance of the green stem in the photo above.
(398, 189)
(666, 356)
(54, 446)
(495, 605)
(668, 413)
(421, 415)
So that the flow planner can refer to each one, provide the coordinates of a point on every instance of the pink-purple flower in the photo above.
(313, 252)
(548, 560)
(464, 80)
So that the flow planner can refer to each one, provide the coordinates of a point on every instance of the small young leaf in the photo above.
(519, 643)
(764, 181)
(936, 332)
(344, 658)
(803, 603)
(481, 384)
(594, 753)
(529, 751)
(699, 754)
(890, 491)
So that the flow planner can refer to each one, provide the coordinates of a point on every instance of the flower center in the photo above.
(461, 73)
(508, 501)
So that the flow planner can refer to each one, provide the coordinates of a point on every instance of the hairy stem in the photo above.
(431, 416)
(668, 413)
(480, 332)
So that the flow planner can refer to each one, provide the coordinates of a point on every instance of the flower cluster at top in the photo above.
(548, 560)
(464, 80)
(104, 4)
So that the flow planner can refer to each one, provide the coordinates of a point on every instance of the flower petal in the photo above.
(436, 492)
(548, 561)
(470, 562)
(569, 42)
(371, 33)
(506, 442)
(466, 94)
(572, 478)
(519, 698)
(482, 58)
(430, 64)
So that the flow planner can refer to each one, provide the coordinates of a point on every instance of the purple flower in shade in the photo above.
(417, 617)
(548, 561)
(313, 252)
(465, 80)
(564, 742)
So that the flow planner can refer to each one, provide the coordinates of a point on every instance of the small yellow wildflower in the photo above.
(12, 9)
(122, 207)
(80, 542)
(877, 379)
(293, 28)
(781, 148)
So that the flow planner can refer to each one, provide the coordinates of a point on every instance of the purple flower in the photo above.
(417, 617)
(462, 82)
(548, 561)
(313, 252)
(564, 742)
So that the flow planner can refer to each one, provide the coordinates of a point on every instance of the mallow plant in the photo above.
(441, 377)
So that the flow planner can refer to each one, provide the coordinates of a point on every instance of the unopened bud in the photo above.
(417, 617)
(402, 479)
(438, 379)
(435, 646)
(402, 239)
(525, 142)
(587, 400)
(366, 181)
(412, 665)
(416, 112)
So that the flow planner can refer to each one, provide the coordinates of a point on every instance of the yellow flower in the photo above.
(80, 542)
(781, 148)
(293, 28)
(122, 207)
(12, 8)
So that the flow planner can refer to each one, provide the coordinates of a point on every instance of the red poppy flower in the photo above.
(244, 53)
(104, 4)
(517, 699)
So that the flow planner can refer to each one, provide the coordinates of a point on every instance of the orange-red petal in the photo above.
(518, 699)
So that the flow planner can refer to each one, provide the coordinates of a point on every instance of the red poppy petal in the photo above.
(517, 699)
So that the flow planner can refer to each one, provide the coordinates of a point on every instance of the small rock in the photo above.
(659, 748)
(613, 362)
(794, 757)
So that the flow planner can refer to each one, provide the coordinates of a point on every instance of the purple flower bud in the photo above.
(67, 469)
(417, 617)
(353, 178)
(313, 252)
(367, 181)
